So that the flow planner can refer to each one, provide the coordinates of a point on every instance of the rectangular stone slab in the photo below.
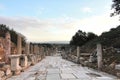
(68, 76)
(53, 77)
(53, 71)
(66, 70)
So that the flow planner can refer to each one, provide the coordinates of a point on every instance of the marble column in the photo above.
(19, 44)
(99, 56)
(24, 61)
(27, 48)
(7, 47)
(78, 54)
(31, 49)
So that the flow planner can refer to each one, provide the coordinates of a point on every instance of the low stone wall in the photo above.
(18, 64)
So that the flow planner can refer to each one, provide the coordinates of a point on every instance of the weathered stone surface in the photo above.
(2, 73)
(14, 62)
(117, 66)
(68, 76)
(7, 70)
(104, 78)
(19, 44)
(52, 71)
(65, 70)
(112, 65)
(23, 61)
(53, 77)
(99, 56)
(7, 47)
(118, 74)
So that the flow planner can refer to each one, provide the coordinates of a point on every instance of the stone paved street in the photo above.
(56, 68)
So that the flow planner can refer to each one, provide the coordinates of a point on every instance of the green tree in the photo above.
(80, 38)
(91, 36)
(116, 7)
(4, 29)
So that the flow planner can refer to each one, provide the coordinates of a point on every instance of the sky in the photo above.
(56, 20)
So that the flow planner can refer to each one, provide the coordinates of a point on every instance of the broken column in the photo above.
(23, 57)
(27, 48)
(31, 48)
(23, 61)
(19, 44)
(15, 58)
(7, 47)
(99, 56)
(78, 54)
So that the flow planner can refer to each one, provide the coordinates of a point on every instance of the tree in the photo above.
(80, 38)
(91, 36)
(116, 7)
(4, 29)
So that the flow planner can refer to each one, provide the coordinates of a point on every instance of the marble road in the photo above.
(56, 68)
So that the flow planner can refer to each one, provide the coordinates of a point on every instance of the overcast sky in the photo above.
(56, 20)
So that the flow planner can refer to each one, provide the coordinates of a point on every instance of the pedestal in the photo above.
(15, 64)
(24, 61)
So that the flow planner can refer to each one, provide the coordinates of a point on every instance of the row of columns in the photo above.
(34, 52)
(99, 55)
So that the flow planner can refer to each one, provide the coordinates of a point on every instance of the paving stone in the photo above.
(31, 78)
(56, 68)
(40, 77)
(53, 77)
(68, 76)
(66, 70)
(52, 71)
(81, 76)
(105, 78)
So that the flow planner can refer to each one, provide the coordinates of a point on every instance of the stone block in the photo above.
(53, 77)
(68, 76)
(2, 73)
(117, 67)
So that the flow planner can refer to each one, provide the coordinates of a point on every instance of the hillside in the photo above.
(110, 43)
(107, 39)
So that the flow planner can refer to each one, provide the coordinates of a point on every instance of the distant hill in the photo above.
(56, 42)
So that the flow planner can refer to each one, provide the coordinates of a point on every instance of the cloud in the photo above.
(98, 24)
(36, 29)
(59, 29)
(87, 9)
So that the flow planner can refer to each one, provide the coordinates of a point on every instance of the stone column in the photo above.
(7, 47)
(27, 48)
(70, 51)
(24, 61)
(31, 49)
(15, 64)
(99, 56)
(78, 53)
(36, 53)
(19, 44)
